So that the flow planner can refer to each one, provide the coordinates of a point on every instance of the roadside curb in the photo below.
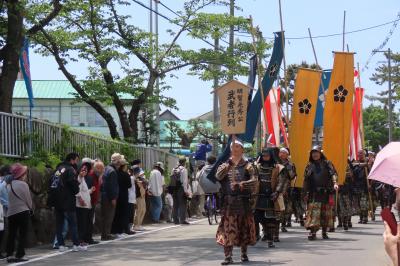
(57, 253)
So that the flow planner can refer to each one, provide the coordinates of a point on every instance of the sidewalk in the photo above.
(46, 251)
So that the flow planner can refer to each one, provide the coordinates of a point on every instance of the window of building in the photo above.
(94, 119)
(75, 116)
(49, 113)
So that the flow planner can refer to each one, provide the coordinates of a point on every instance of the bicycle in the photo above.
(212, 209)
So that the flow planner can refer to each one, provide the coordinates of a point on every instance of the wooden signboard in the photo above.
(233, 101)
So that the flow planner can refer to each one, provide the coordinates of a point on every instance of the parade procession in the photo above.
(322, 184)
(199, 132)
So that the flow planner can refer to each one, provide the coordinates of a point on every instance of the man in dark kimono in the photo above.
(271, 185)
(290, 174)
(238, 182)
(319, 185)
(345, 210)
(361, 186)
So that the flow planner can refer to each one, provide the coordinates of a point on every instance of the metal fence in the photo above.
(17, 142)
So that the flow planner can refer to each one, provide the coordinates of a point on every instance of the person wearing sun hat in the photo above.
(141, 182)
(109, 195)
(320, 182)
(156, 189)
(19, 208)
(180, 188)
(237, 227)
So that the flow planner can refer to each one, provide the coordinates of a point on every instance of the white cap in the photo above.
(284, 150)
(238, 142)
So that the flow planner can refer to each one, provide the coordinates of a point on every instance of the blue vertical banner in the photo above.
(254, 111)
(323, 87)
(25, 68)
(252, 78)
(270, 75)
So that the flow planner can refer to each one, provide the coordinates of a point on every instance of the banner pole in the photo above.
(316, 59)
(360, 115)
(284, 66)
(344, 29)
(259, 75)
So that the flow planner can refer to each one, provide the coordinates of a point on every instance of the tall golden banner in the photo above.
(338, 112)
(302, 121)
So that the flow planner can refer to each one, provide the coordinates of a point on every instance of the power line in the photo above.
(174, 12)
(243, 34)
(383, 44)
(169, 19)
(176, 23)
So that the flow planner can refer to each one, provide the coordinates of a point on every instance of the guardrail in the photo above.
(17, 141)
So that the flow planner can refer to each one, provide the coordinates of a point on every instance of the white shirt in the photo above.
(132, 192)
(156, 183)
(169, 201)
(84, 193)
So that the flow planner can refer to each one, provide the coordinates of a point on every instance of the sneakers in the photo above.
(76, 248)
(93, 242)
(63, 248)
(16, 260)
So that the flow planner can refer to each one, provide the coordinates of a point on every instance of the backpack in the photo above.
(55, 189)
(175, 179)
(206, 184)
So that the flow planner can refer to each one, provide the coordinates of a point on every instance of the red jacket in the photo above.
(95, 183)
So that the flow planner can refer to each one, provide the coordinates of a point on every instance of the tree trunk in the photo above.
(10, 55)
(119, 106)
(139, 103)
(53, 49)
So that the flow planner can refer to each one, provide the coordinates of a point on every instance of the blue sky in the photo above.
(323, 17)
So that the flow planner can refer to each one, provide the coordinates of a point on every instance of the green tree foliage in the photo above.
(376, 126)
(149, 130)
(381, 76)
(172, 133)
(211, 133)
(19, 19)
(290, 78)
(95, 32)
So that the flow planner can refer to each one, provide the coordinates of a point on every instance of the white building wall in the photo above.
(61, 111)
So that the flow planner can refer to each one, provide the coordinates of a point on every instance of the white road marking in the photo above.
(107, 242)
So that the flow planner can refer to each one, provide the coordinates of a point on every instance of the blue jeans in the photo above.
(64, 233)
(155, 208)
(70, 216)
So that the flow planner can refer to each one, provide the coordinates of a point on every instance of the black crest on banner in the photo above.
(339, 94)
(305, 106)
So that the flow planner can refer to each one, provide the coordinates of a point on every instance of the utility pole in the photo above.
(157, 105)
(215, 97)
(231, 34)
(390, 106)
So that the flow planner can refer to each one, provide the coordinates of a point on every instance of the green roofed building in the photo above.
(55, 101)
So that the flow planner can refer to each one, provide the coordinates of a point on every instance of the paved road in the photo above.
(195, 245)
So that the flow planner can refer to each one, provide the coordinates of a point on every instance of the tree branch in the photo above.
(57, 6)
(128, 41)
(54, 50)
(183, 28)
